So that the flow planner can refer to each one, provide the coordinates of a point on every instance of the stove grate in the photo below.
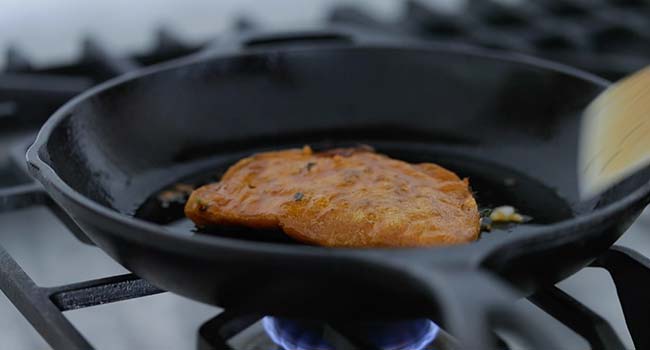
(606, 37)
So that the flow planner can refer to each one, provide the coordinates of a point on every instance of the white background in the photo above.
(52, 29)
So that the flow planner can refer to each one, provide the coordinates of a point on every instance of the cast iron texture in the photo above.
(480, 112)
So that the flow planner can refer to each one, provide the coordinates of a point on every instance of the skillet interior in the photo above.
(492, 120)
(485, 117)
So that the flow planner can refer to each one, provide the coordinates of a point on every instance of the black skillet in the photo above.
(508, 122)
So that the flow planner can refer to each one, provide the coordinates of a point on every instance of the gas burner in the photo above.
(312, 335)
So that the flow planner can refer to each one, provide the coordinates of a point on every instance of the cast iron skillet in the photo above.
(507, 122)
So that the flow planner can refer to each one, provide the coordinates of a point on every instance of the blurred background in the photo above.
(51, 31)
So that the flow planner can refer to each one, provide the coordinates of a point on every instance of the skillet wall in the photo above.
(120, 145)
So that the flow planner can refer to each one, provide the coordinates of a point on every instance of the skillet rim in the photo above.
(163, 237)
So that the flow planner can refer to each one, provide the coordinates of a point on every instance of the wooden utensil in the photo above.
(615, 135)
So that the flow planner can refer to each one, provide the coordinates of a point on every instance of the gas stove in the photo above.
(62, 290)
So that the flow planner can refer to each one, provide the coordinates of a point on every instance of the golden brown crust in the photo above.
(341, 198)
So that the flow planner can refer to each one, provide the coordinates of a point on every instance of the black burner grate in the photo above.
(27, 97)
(44, 307)
(608, 37)
(21, 84)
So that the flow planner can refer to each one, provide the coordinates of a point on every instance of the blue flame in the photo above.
(308, 335)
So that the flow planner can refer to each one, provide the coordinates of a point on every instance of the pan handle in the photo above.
(472, 303)
(304, 37)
